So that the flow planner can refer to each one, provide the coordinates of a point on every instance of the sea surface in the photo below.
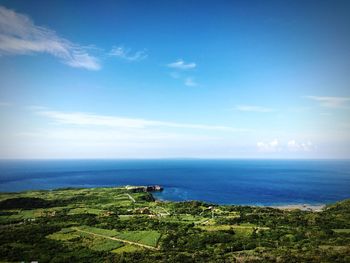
(250, 182)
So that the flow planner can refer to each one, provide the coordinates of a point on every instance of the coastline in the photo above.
(287, 207)
(302, 207)
(153, 192)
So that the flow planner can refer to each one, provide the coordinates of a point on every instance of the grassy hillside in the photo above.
(117, 225)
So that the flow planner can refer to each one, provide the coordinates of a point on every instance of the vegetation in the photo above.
(117, 225)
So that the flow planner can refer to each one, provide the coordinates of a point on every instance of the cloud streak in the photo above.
(126, 54)
(20, 36)
(331, 102)
(87, 119)
(251, 108)
(182, 65)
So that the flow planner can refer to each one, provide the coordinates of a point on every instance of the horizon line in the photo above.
(167, 158)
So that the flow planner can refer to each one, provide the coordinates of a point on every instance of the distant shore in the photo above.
(303, 207)
(152, 189)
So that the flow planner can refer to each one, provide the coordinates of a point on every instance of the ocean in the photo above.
(244, 182)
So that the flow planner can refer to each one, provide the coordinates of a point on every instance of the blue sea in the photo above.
(249, 182)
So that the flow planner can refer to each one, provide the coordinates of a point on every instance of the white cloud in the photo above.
(19, 35)
(180, 64)
(294, 146)
(190, 82)
(121, 52)
(291, 146)
(274, 143)
(251, 108)
(331, 102)
(87, 119)
(272, 146)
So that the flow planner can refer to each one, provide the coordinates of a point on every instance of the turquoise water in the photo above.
(253, 182)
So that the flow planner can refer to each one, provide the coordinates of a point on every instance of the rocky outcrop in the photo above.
(150, 188)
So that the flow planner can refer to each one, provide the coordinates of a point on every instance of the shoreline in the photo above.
(288, 207)
(302, 207)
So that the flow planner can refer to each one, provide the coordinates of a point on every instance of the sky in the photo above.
(174, 79)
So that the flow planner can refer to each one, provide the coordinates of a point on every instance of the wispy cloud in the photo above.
(190, 82)
(272, 146)
(109, 136)
(252, 108)
(19, 35)
(331, 102)
(88, 119)
(180, 64)
(127, 54)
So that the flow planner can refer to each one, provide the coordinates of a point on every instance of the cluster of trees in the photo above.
(191, 207)
(27, 203)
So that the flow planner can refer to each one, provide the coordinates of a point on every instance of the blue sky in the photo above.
(175, 79)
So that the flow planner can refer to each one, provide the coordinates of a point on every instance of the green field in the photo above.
(149, 238)
(85, 210)
(127, 249)
(345, 231)
(65, 234)
(99, 231)
(239, 230)
(105, 244)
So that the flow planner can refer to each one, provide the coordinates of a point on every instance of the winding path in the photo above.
(116, 239)
(131, 198)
